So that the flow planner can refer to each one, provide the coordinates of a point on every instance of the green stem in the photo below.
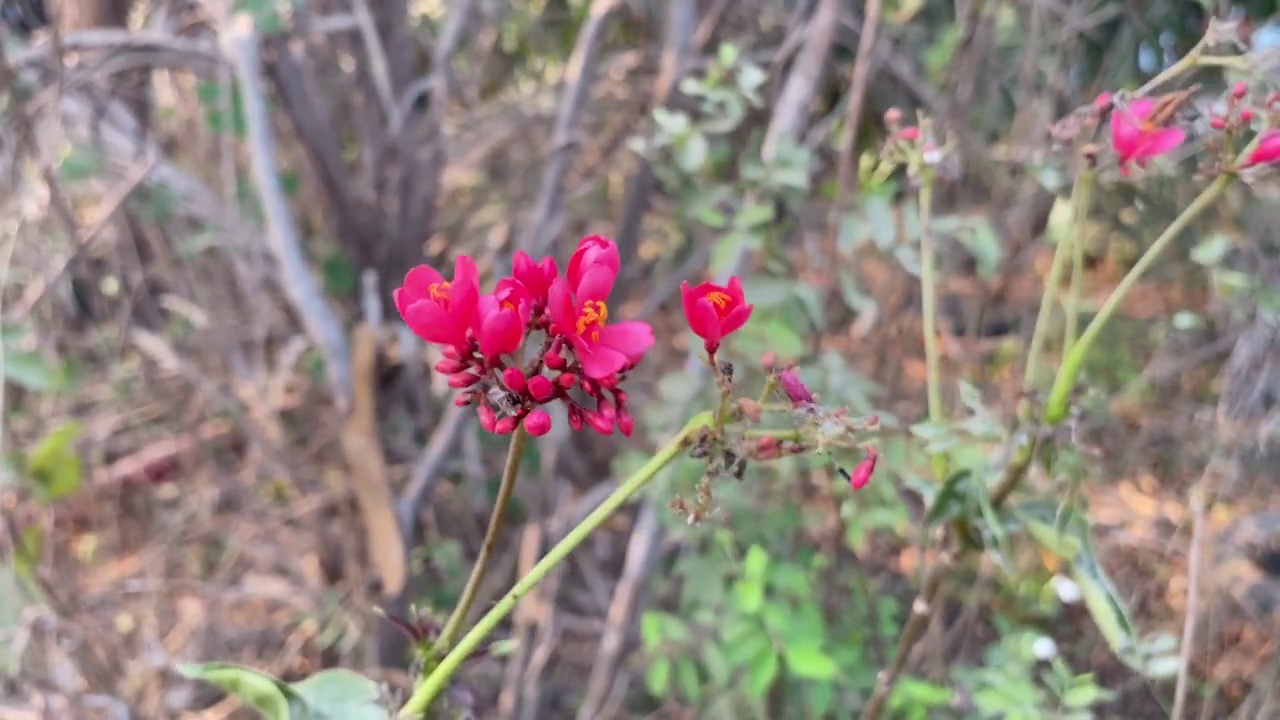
(1056, 406)
(510, 471)
(435, 682)
(1080, 200)
(929, 300)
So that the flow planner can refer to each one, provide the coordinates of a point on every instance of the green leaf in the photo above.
(810, 662)
(762, 673)
(821, 696)
(29, 370)
(746, 645)
(750, 594)
(716, 664)
(878, 210)
(1105, 607)
(687, 679)
(1083, 696)
(651, 630)
(658, 679)
(341, 694)
(753, 215)
(692, 151)
(271, 697)
(53, 467)
(950, 500)
(756, 564)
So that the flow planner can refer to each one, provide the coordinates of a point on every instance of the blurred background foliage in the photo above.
(175, 490)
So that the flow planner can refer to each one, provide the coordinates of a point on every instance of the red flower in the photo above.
(501, 318)
(1136, 139)
(715, 312)
(580, 314)
(536, 277)
(593, 250)
(1267, 151)
(438, 310)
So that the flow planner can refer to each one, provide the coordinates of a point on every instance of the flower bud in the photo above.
(463, 380)
(488, 418)
(797, 392)
(1246, 116)
(750, 409)
(575, 417)
(861, 474)
(769, 362)
(1240, 90)
(608, 382)
(504, 426)
(514, 380)
(892, 117)
(541, 389)
(464, 399)
(598, 422)
(1217, 122)
(590, 387)
(626, 424)
(538, 423)
(566, 380)
(554, 360)
(449, 366)
(450, 352)
(910, 133)
(607, 411)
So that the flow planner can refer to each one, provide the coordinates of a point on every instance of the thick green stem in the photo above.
(436, 681)
(929, 300)
(1069, 239)
(510, 471)
(1080, 200)
(1056, 406)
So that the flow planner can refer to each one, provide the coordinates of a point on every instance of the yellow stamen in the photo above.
(439, 291)
(594, 313)
(719, 299)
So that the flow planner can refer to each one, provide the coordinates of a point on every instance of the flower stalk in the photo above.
(438, 678)
(510, 471)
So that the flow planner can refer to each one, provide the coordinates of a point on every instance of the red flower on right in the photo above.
(1268, 150)
(1136, 139)
(714, 312)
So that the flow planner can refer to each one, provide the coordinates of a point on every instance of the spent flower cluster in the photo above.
(581, 360)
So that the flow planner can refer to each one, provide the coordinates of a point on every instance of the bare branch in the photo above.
(547, 216)
(243, 50)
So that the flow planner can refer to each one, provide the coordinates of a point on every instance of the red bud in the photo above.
(514, 380)
(1217, 122)
(626, 424)
(566, 380)
(541, 389)
(463, 380)
(575, 417)
(1240, 90)
(599, 423)
(464, 399)
(450, 366)
(554, 360)
(505, 426)
(861, 474)
(488, 418)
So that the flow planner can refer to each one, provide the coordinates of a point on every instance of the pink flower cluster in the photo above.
(581, 355)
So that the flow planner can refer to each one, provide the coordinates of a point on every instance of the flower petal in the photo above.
(1162, 141)
(735, 319)
(1141, 108)
(632, 338)
(501, 333)
(599, 361)
(417, 286)
(735, 291)
(595, 284)
(560, 303)
(430, 322)
(704, 322)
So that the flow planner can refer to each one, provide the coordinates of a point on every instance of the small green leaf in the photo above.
(716, 664)
(810, 662)
(341, 694)
(950, 500)
(692, 151)
(269, 696)
(750, 594)
(754, 215)
(29, 370)
(651, 630)
(762, 672)
(687, 678)
(746, 646)
(756, 564)
(54, 468)
(658, 679)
